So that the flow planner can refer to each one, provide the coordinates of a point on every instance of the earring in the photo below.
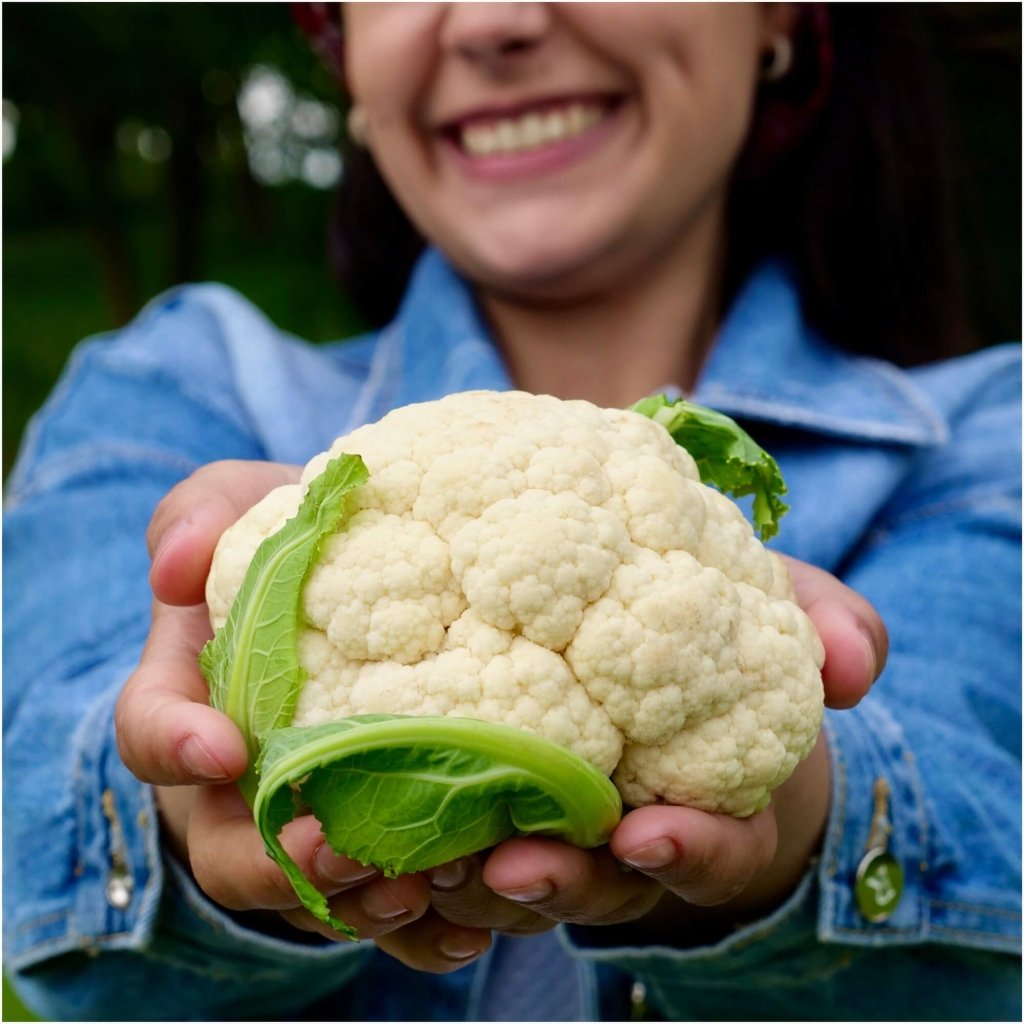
(358, 125)
(781, 60)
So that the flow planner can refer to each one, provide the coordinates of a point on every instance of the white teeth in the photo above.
(575, 117)
(556, 125)
(531, 130)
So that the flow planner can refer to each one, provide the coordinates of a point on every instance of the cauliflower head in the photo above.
(557, 567)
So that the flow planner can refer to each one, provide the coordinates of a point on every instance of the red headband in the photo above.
(322, 24)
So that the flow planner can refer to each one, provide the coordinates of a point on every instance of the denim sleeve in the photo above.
(97, 925)
(941, 732)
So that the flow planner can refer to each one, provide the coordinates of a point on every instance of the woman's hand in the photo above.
(692, 875)
(168, 734)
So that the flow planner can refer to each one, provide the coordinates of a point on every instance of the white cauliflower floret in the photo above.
(660, 647)
(746, 742)
(482, 672)
(560, 568)
(384, 590)
(532, 564)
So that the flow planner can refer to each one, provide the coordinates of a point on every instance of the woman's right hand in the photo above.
(168, 734)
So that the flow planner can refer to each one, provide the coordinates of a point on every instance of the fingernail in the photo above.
(200, 761)
(529, 893)
(167, 538)
(340, 870)
(658, 854)
(380, 904)
(871, 657)
(458, 947)
(449, 876)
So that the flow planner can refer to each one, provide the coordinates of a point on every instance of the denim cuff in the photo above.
(109, 889)
(877, 804)
(864, 745)
(869, 751)
(129, 895)
(793, 916)
(227, 944)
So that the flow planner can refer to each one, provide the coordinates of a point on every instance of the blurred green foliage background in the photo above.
(146, 144)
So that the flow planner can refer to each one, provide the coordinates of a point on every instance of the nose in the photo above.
(494, 34)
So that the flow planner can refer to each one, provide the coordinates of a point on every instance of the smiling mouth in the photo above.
(532, 129)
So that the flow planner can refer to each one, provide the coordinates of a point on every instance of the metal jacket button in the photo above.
(119, 888)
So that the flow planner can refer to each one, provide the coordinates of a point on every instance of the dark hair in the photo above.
(861, 207)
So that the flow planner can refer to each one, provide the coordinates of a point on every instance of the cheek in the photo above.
(701, 92)
(698, 60)
(725, 60)
(389, 51)
(390, 56)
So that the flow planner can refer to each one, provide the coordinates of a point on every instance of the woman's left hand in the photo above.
(673, 875)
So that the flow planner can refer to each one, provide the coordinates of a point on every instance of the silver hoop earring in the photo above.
(358, 125)
(781, 60)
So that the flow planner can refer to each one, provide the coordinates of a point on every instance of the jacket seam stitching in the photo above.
(892, 933)
(978, 908)
(790, 413)
(41, 922)
(899, 383)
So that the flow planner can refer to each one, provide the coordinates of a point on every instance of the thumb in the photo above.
(190, 519)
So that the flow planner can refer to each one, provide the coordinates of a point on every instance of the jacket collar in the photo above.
(766, 365)
(441, 338)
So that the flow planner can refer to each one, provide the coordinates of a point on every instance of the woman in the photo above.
(595, 183)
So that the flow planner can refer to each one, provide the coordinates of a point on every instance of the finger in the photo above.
(374, 908)
(459, 895)
(707, 859)
(231, 866)
(167, 733)
(855, 638)
(189, 520)
(564, 883)
(435, 945)
(228, 858)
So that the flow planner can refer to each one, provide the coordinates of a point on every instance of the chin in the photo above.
(556, 272)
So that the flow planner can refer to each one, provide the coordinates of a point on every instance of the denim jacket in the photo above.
(906, 484)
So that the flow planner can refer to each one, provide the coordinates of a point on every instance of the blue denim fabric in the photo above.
(904, 483)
